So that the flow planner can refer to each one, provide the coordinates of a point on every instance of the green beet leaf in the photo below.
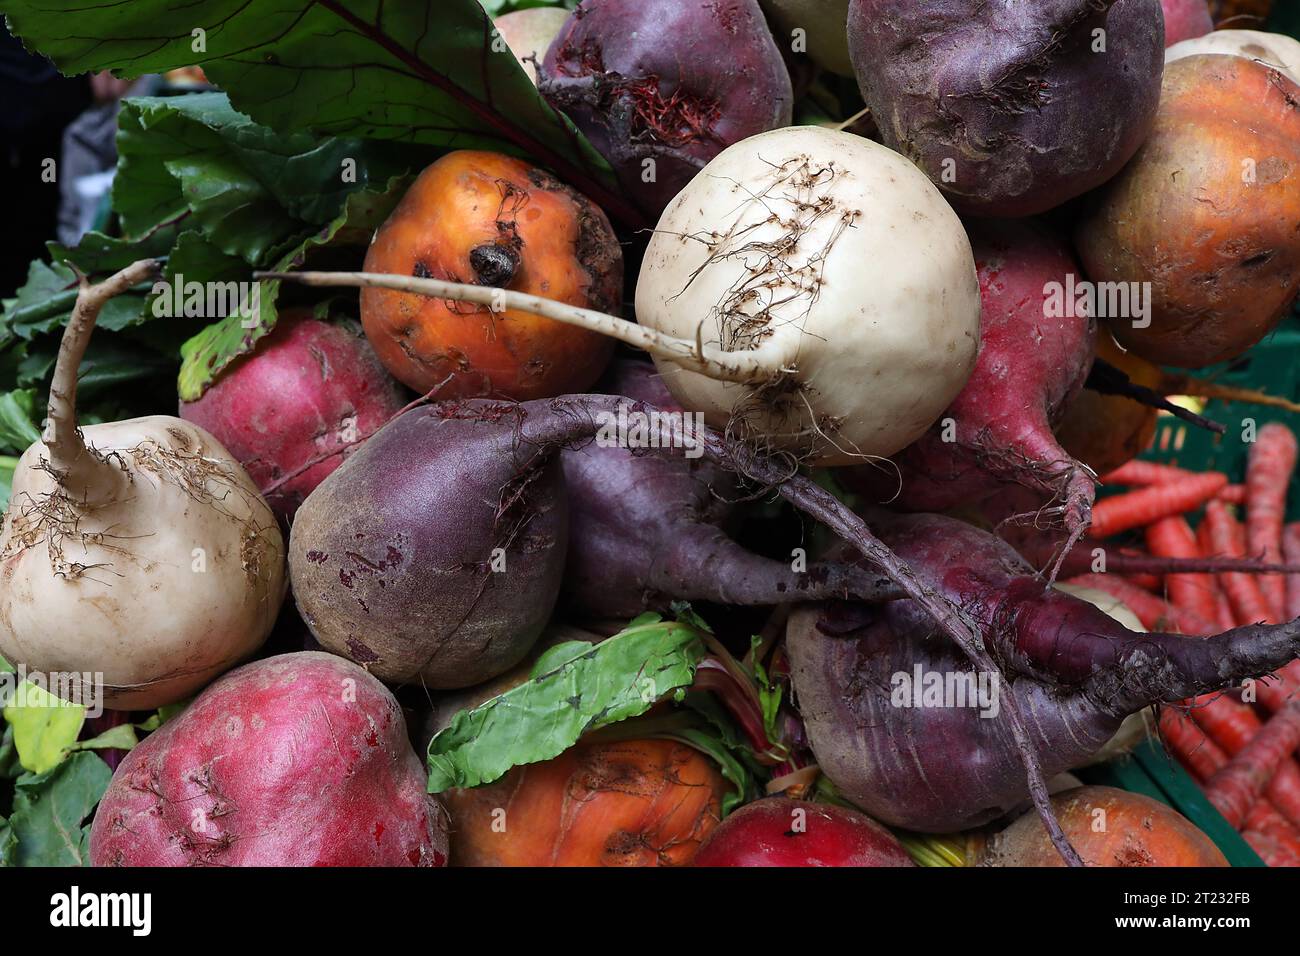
(577, 688)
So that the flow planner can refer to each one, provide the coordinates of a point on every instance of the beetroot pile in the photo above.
(777, 503)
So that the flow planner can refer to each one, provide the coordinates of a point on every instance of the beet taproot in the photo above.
(647, 530)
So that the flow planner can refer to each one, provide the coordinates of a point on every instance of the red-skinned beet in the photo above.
(937, 764)
(297, 760)
(308, 391)
(783, 832)
(647, 530)
(675, 83)
(1186, 19)
(1035, 354)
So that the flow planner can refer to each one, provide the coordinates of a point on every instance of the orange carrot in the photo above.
(1269, 469)
(1291, 552)
(1223, 616)
(1202, 757)
(1263, 818)
(1268, 849)
(1136, 509)
(1153, 612)
(1227, 540)
(1173, 537)
(1232, 495)
(1234, 789)
(1138, 472)
(1148, 582)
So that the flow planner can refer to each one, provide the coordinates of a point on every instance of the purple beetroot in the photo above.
(660, 88)
(646, 530)
(910, 731)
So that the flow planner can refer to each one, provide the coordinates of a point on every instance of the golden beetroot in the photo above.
(630, 803)
(1109, 827)
(1208, 212)
(492, 220)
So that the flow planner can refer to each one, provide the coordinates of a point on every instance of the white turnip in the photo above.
(137, 550)
(1273, 49)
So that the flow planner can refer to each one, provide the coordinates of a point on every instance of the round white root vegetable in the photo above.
(1274, 49)
(834, 263)
(137, 550)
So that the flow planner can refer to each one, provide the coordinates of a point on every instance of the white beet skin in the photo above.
(139, 550)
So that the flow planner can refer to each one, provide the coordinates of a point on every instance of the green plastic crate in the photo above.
(1272, 366)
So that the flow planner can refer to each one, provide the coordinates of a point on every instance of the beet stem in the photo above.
(1109, 380)
(738, 367)
(63, 439)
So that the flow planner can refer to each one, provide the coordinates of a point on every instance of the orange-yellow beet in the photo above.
(487, 219)
(631, 803)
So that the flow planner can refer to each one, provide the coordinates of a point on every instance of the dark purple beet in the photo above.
(646, 530)
(1010, 108)
(674, 82)
(1074, 673)
(434, 553)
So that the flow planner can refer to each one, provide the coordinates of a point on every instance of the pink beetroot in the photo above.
(782, 832)
(292, 409)
(1186, 20)
(297, 760)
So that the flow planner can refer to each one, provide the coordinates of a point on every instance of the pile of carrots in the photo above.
(1240, 747)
